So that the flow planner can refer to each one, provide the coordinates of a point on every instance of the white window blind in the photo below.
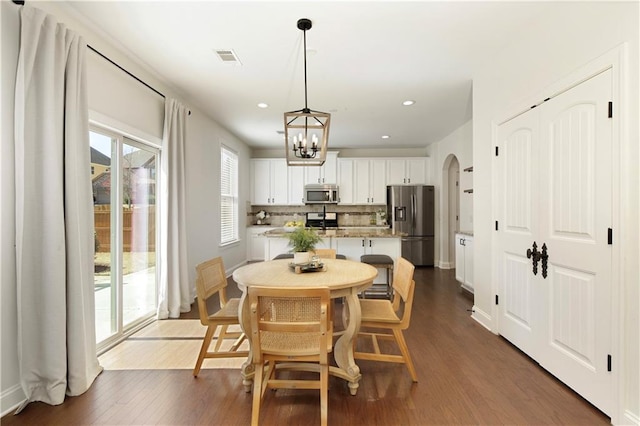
(228, 196)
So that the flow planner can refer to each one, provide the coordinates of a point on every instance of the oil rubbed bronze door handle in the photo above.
(544, 256)
(535, 255)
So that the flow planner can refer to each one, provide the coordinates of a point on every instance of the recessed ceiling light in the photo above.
(409, 102)
(263, 105)
(385, 136)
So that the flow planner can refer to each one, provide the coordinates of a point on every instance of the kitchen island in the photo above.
(351, 242)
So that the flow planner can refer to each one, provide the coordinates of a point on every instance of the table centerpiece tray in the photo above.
(300, 268)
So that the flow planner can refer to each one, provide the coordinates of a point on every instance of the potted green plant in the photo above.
(303, 241)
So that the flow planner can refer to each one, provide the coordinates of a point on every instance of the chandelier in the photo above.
(306, 131)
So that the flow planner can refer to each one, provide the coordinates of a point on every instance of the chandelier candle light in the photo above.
(310, 129)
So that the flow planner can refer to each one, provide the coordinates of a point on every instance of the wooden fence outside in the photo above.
(135, 220)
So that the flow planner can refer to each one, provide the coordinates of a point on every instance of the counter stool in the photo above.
(380, 261)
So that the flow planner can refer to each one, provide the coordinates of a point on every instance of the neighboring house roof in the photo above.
(137, 159)
(99, 158)
(103, 180)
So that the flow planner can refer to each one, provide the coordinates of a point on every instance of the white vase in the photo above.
(301, 257)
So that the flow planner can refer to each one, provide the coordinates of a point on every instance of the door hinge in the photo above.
(496, 299)
(610, 109)
(610, 236)
(608, 362)
(496, 151)
(496, 225)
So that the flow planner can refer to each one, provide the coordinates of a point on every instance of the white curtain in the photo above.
(54, 213)
(175, 295)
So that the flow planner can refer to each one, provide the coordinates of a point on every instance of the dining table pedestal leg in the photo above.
(247, 370)
(343, 349)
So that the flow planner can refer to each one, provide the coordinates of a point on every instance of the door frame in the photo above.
(616, 60)
(447, 261)
(116, 129)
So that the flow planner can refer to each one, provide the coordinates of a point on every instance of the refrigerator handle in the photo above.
(414, 212)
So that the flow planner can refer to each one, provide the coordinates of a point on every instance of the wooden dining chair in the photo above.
(211, 280)
(325, 253)
(289, 326)
(382, 314)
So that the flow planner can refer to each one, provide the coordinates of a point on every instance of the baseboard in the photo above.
(11, 399)
(481, 317)
(446, 265)
(631, 418)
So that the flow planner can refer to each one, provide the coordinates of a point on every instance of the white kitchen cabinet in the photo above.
(345, 181)
(256, 242)
(370, 186)
(353, 248)
(275, 246)
(408, 171)
(269, 178)
(464, 261)
(327, 173)
(295, 186)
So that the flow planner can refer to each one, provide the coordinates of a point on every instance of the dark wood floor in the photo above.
(466, 376)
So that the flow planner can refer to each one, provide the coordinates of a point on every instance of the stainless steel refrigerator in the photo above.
(410, 209)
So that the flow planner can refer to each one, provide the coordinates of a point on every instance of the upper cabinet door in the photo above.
(261, 179)
(330, 168)
(345, 181)
(327, 173)
(296, 185)
(395, 172)
(377, 182)
(269, 178)
(407, 171)
(279, 181)
(369, 178)
(416, 171)
(361, 181)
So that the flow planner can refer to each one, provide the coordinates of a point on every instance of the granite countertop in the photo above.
(346, 232)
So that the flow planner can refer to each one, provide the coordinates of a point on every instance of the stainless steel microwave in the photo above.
(321, 194)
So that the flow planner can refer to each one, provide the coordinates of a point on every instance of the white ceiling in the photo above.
(368, 57)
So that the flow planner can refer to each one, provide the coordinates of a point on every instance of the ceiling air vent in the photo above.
(228, 56)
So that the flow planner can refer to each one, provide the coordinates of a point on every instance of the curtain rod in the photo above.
(21, 3)
(125, 71)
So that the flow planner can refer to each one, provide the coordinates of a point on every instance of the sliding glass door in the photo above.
(123, 173)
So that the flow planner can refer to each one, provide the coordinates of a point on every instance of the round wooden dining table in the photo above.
(344, 278)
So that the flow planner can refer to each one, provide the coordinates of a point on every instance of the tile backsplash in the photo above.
(347, 215)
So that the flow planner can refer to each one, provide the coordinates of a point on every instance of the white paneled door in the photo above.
(555, 168)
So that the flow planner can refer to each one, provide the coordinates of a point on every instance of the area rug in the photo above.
(166, 345)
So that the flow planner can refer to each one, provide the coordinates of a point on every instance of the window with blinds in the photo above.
(228, 196)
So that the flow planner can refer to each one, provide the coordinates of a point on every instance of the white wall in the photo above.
(204, 136)
(203, 194)
(458, 143)
(544, 53)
